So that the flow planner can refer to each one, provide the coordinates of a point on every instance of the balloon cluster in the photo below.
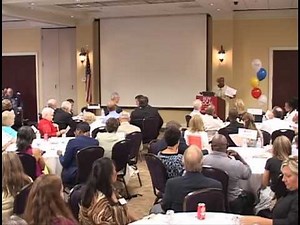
(261, 74)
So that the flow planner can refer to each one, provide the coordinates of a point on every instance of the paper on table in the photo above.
(247, 133)
(237, 139)
(230, 92)
(68, 128)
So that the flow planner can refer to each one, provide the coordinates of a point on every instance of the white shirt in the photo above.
(128, 128)
(195, 112)
(290, 115)
(211, 123)
(275, 124)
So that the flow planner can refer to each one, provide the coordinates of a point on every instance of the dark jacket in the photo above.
(231, 128)
(63, 120)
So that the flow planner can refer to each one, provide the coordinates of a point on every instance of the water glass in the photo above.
(170, 215)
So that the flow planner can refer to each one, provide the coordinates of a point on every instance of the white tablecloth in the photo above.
(189, 219)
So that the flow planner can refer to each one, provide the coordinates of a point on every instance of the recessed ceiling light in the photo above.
(72, 16)
(218, 9)
(32, 3)
(211, 4)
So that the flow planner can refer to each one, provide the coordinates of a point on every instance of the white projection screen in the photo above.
(162, 57)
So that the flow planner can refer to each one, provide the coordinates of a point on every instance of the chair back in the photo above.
(195, 140)
(212, 197)
(187, 119)
(120, 154)
(85, 158)
(21, 199)
(135, 139)
(219, 175)
(266, 137)
(29, 164)
(158, 173)
(74, 199)
(224, 132)
(97, 130)
(290, 134)
(151, 147)
(150, 129)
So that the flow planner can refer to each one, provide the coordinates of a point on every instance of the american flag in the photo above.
(88, 77)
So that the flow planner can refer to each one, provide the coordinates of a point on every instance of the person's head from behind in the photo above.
(172, 136)
(277, 112)
(233, 114)
(239, 105)
(82, 128)
(173, 123)
(197, 104)
(71, 101)
(89, 117)
(13, 176)
(143, 101)
(112, 125)
(8, 118)
(115, 97)
(289, 169)
(137, 99)
(66, 106)
(196, 123)
(210, 110)
(193, 159)
(6, 105)
(52, 103)
(25, 137)
(291, 105)
(249, 122)
(221, 82)
(124, 116)
(111, 106)
(219, 143)
(269, 114)
(47, 113)
(101, 178)
(282, 147)
(46, 201)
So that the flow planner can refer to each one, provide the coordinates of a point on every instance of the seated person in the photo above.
(161, 144)
(290, 108)
(196, 129)
(6, 105)
(285, 210)
(197, 104)
(169, 156)
(212, 123)
(8, 119)
(46, 125)
(100, 201)
(52, 103)
(232, 127)
(178, 187)
(63, 118)
(125, 126)
(114, 99)
(109, 138)
(72, 105)
(92, 120)
(68, 160)
(249, 123)
(25, 137)
(112, 113)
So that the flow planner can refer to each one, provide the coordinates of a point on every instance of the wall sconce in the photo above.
(82, 55)
(221, 54)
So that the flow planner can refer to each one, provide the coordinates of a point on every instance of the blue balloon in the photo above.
(261, 74)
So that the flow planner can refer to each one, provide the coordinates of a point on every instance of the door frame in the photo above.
(271, 51)
(35, 54)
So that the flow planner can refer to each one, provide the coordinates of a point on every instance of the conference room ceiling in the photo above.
(62, 13)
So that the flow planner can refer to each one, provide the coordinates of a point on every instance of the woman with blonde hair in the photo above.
(8, 119)
(282, 148)
(249, 123)
(285, 210)
(196, 130)
(45, 203)
(13, 180)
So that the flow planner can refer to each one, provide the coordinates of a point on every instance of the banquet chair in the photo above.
(135, 139)
(212, 197)
(120, 155)
(97, 130)
(74, 199)
(21, 199)
(29, 164)
(151, 147)
(187, 119)
(266, 137)
(290, 134)
(158, 174)
(85, 158)
(150, 129)
(219, 175)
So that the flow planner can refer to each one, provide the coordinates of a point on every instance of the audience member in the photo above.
(15, 99)
(112, 113)
(68, 160)
(196, 129)
(45, 203)
(25, 137)
(13, 179)
(291, 109)
(162, 144)
(114, 100)
(281, 149)
(170, 156)
(232, 127)
(72, 105)
(240, 106)
(137, 100)
(46, 125)
(240, 201)
(8, 119)
(92, 120)
(101, 203)
(6, 105)
(109, 138)
(249, 123)
(285, 210)
(63, 118)
(212, 123)
(125, 126)
(52, 103)
(275, 123)
(197, 104)
(178, 187)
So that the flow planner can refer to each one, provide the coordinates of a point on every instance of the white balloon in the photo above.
(256, 64)
(262, 100)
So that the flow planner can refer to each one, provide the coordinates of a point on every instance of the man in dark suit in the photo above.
(178, 187)
(68, 160)
(63, 118)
